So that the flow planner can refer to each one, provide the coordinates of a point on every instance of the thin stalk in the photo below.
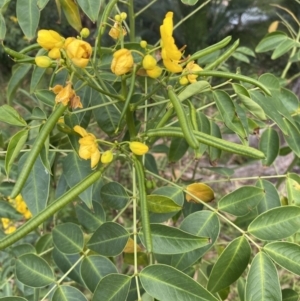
(131, 21)
(134, 207)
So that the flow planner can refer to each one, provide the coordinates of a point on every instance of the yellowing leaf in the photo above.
(72, 14)
(129, 248)
(200, 191)
(273, 26)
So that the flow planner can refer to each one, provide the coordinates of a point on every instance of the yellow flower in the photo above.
(122, 61)
(65, 95)
(8, 226)
(78, 51)
(107, 157)
(115, 31)
(138, 148)
(43, 61)
(20, 205)
(149, 64)
(170, 53)
(88, 146)
(50, 39)
(54, 53)
(192, 67)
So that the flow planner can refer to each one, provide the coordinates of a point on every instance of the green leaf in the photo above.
(161, 204)
(11, 116)
(286, 254)
(46, 97)
(93, 268)
(189, 2)
(200, 86)
(227, 110)
(213, 152)
(246, 51)
(293, 137)
(168, 284)
(241, 201)
(269, 144)
(68, 293)
(169, 240)
(91, 219)
(68, 238)
(66, 263)
(289, 295)
(283, 48)
(241, 57)
(72, 13)
(270, 198)
(202, 223)
(33, 271)
(276, 223)
(36, 189)
(8, 211)
(2, 28)
(22, 249)
(262, 281)
(15, 145)
(251, 105)
(28, 16)
(174, 194)
(42, 3)
(109, 239)
(271, 41)
(113, 287)
(19, 72)
(293, 188)
(36, 77)
(270, 81)
(230, 265)
(38, 114)
(108, 116)
(75, 170)
(91, 8)
(178, 148)
(114, 195)
(43, 243)
(241, 288)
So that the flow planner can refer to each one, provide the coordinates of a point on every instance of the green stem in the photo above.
(131, 20)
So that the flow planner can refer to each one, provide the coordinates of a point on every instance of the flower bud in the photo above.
(123, 16)
(107, 157)
(122, 61)
(43, 61)
(138, 148)
(143, 44)
(117, 18)
(79, 52)
(149, 62)
(85, 32)
(183, 81)
(50, 39)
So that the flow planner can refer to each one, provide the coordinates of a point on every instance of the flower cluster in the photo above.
(78, 51)
(170, 53)
(19, 204)
(117, 31)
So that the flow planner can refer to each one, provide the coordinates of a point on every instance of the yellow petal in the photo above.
(155, 72)
(172, 66)
(149, 62)
(80, 130)
(95, 158)
(200, 191)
